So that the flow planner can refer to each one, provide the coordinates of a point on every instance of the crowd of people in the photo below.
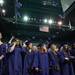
(24, 58)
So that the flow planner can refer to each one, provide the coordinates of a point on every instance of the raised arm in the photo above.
(11, 39)
(11, 49)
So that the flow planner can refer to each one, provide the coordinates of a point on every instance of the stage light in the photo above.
(26, 18)
(50, 21)
(45, 21)
(60, 23)
(1, 2)
(3, 11)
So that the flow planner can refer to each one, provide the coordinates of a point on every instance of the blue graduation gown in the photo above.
(73, 54)
(54, 67)
(43, 63)
(15, 62)
(2, 62)
(35, 62)
(66, 66)
(28, 61)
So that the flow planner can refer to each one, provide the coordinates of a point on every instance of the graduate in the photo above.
(28, 59)
(54, 67)
(35, 64)
(65, 61)
(73, 54)
(15, 59)
(6, 61)
(43, 64)
(2, 55)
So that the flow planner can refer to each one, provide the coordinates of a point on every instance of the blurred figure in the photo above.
(42, 59)
(73, 49)
(2, 56)
(34, 48)
(15, 59)
(28, 58)
(54, 60)
(73, 54)
(35, 69)
(65, 61)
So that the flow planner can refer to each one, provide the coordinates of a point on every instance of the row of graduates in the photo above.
(16, 59)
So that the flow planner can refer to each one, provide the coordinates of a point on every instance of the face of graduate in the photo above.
(66, 47)
(30, 45)
(53, 47)
(17, 42)
(0, 36)
(34, 48)
(43, 48)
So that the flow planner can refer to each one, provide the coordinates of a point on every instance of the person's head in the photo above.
(0, 35)
(42, 47)
(66, 47)
(18, 42)
(54, 47)
(29, 44)
(34, 48)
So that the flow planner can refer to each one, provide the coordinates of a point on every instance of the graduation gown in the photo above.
(66, 65)
(54, 67)
(15, 61)
(35, 64)
(43, 63)
(2, 62)
(73, 54)
(28, 61)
